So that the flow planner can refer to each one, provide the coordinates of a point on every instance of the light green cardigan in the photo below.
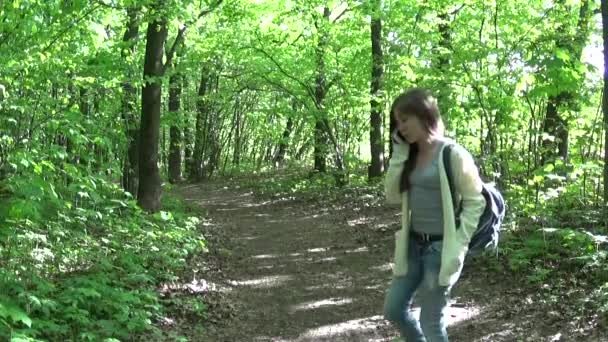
(468, 186)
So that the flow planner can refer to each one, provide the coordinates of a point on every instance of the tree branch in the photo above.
(523, 37)
(341, 14)
(102, 3)
(73, 25)
(5, 37)
(284, 72)
(178, 40)
(181, 33)
(210, 9)
(332, 82)
(284, 89)
(477, 93)
(456, 11)
(297, 38)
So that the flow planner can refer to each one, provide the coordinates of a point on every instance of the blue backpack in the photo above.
(488, 230)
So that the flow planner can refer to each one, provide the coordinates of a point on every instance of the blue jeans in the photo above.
(424, 261)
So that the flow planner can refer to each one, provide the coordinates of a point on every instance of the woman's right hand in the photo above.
(401, 148)
(397, 137)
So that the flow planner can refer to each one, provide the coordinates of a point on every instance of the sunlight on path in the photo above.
(265, 282)
(358, 326)
(341, 329)
(321, 303)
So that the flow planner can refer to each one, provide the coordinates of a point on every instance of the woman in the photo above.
(430, 247)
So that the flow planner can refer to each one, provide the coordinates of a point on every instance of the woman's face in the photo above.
(412, 129)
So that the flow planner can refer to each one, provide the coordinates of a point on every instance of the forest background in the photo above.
(107, 105)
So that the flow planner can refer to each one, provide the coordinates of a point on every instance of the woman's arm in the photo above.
(395, 168)
(469, 185)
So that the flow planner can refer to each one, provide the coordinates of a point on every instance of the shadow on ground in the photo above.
(303, 272)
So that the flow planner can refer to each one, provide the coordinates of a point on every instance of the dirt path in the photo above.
(296, 271)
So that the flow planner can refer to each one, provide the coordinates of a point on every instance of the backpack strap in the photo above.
(447, 164)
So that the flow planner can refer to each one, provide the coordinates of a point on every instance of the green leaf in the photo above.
(119, 202)
(37, 169)
(562, 55)
(164, 216)
(8, 310)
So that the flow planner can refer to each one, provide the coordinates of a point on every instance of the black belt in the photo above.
(422, 237)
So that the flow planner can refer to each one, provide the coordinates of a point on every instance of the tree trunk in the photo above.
(392, 126)
(188, 151)
(555, 125)
(175, 134)
(236, 159)
(149, 191)
(212, 133)
(303, 150)
(84, 110)
(320, 150)
(604, 6)
(443, 62)
(280, 156)
(130, 180)
(375, 134)
(188, 128)
(321, 140)
(199, 135)
(84, 102)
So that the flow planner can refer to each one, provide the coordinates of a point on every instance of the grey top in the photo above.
(425, 197)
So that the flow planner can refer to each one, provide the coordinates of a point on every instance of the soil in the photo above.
(288, 269)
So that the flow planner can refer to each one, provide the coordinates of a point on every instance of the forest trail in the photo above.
(294, 270)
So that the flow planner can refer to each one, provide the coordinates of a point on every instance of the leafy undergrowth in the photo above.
(303, 185)
(565, 269)
(80, 260)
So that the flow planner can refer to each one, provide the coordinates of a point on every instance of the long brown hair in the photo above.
(422, 104)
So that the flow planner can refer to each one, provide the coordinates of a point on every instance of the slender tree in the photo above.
(321, 139)
(130, 171)
(196, 169)
(604, 9)
(175, 129)
(375, 134)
